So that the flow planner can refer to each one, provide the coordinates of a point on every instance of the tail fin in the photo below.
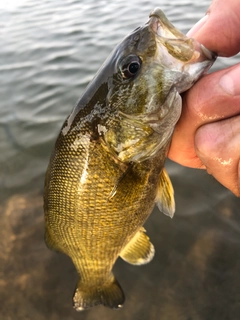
(110, 294)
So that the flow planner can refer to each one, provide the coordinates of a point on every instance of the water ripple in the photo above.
(50, 50)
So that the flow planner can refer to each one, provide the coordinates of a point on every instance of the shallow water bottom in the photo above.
(194, 274)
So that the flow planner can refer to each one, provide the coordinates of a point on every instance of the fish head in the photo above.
(137, 90)
(152, 61)
(152, 66)
(177, 52)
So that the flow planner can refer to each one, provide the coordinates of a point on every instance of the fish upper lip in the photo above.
(162, 27)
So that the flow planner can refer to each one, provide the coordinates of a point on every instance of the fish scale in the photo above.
(107, 169)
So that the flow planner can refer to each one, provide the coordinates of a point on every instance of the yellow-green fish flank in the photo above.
(107, 169)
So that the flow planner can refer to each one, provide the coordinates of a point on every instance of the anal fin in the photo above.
(165, 195)
(109, 294)
(139, 250)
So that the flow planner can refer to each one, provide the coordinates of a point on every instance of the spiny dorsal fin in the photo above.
(139, 250)
(165, 195)
(109, 294)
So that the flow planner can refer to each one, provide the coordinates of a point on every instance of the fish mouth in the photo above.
(162, 26)
(182, 48)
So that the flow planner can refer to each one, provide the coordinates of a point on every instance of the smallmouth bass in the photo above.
(107, 169)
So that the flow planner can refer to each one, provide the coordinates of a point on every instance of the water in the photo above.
(50, 49)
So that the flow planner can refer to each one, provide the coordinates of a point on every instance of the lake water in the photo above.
(50, 50)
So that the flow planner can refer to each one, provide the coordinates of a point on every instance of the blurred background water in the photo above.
(50, 50)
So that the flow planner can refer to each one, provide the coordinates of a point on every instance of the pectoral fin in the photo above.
(139, 250)
(165, 195)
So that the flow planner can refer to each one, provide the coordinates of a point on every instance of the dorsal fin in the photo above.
(165, 195)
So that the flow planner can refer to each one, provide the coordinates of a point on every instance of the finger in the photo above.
(219, 29)
(218, 147)
(214, 97)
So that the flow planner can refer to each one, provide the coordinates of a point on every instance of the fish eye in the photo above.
(130, 66)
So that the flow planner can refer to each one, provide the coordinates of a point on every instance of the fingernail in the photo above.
(197, 26)
(230, 81)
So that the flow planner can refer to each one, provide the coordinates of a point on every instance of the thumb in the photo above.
(219, 29)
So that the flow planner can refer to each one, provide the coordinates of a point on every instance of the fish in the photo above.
(106, 172)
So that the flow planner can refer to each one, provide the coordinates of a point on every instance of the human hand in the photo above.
(208, 133)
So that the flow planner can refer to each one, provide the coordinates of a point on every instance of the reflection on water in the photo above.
(49, 52)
